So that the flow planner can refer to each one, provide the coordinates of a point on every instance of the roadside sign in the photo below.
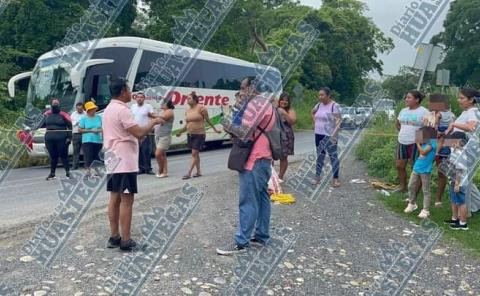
(428, 57)
(443, 77)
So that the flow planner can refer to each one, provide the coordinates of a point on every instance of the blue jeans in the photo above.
(323, 145)
(254, 203)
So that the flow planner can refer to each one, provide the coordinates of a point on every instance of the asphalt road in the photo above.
(26, 196)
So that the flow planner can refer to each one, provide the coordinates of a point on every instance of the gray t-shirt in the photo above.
(447, 117)
(410, 121)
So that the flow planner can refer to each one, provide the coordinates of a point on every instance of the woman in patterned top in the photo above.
(289, 117)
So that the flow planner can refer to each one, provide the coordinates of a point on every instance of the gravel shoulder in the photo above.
(337, 248)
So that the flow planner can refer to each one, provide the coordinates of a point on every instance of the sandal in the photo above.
(438, 204)
(336, 183)
(185, 177)
(197, 175)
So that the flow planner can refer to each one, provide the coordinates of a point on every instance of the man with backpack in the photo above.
(259, 115)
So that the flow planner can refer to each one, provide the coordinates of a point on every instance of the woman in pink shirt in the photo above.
(326, 115)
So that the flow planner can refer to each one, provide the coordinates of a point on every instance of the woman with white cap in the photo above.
(90, 126)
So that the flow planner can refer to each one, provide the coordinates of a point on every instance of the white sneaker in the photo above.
(280, 181)
(410, 208)
(424, 214)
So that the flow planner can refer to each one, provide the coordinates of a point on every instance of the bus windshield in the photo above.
(51, 79)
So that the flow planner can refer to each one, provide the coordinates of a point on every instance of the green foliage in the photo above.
(344, 54)
(303, 106)
(462, 41)
(398, 85)
(377, 150)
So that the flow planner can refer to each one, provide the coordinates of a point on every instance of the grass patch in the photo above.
(377, 150)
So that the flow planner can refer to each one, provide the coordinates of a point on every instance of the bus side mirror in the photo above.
(14, 80)
(78, 72)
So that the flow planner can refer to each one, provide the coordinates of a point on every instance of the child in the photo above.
(458, 182)
(440, 108)
(422, 170)
(443, 117)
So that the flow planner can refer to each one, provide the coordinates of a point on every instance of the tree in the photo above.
(398, 85)
(462, 41)
(30, 28)
(345, 53)
(347, 50)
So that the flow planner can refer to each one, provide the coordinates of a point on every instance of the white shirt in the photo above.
(76, 120)
(471, 114)
(410, 122)
(459, 160)
(140, 113)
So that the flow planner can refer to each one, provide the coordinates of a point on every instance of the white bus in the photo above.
(215, 78)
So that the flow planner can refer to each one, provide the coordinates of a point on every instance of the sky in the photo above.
(385, 13)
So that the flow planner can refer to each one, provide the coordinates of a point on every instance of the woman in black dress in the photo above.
(57, 137)
(289, 117)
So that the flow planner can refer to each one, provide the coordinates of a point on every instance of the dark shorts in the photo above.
(195, 141)
(406, 152)
(443, 153)
(122, 183)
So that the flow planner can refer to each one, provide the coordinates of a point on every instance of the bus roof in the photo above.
(152, 45)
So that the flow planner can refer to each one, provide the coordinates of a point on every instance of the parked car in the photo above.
(363, 115)
(387, 106)
(348, 117)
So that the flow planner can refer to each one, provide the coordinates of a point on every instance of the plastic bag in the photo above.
(274, 183)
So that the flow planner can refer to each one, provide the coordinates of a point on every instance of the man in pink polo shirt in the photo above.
(121, 134)
(254, 201)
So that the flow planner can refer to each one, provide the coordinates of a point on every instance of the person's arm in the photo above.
(128, 122)
(81, 126)
(166, 116)
(204, 113)
(458, 180)
(425, 151)
(151, 114)
(338, 122)
(142, 131)
(314, 111)
(100, 129)
(68, 125)
(182, 130)
(397, 124)
(467, 127)
(290, 116)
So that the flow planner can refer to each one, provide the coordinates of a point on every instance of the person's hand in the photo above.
(449, 129)
(333, 139)
(218, 131)
(456, 188)
(158, 120)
